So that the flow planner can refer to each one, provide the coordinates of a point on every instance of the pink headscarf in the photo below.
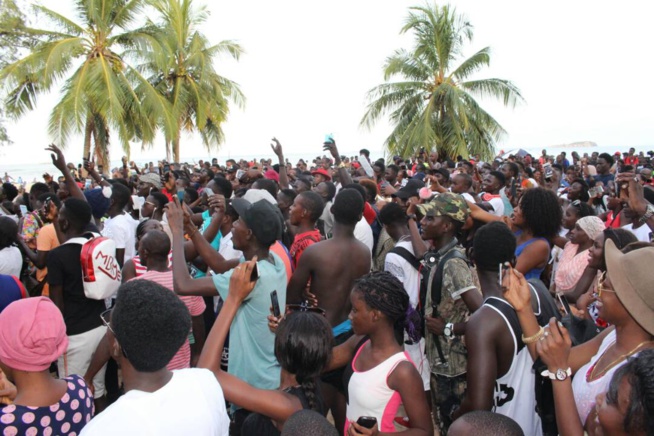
(32, 334)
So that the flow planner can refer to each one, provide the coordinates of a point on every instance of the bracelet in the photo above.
(195, 230)
(534, 338)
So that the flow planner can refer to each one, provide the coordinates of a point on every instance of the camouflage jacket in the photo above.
(458, 277)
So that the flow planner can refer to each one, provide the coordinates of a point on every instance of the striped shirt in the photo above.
(195, 305)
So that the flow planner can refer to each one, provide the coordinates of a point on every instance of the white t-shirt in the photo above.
(498, 206)
(407, 274)
(191, 403)
(122, 229)
(11, 261)
(363, 232)
(642, 232)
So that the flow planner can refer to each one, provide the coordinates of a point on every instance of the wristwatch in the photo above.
(448, 331)
(648, 214)
(559, 374)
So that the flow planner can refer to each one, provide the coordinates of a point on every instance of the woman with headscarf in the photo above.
(32, 336)
(574, 259)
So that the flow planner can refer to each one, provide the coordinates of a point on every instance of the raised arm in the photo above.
(283, 176)
(343, 173)
(183, 283)
(59, 161)
(272, 403)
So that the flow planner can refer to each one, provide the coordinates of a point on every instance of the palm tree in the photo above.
(433, 104)
(180, 67)
(98, 95)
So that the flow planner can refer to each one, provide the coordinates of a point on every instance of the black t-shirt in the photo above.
(81, 314)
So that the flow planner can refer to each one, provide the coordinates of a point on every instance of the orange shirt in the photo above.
(46, 240)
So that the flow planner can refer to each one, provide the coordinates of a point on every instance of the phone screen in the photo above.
(23, 209)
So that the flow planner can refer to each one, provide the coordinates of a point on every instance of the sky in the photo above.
(583, 67)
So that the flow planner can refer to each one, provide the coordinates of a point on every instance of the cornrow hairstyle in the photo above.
(382, 291)
(541, 212)
(303, 347)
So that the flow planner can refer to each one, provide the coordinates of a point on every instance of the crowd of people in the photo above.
(340, 296)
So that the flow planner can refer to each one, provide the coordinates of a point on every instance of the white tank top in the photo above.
(585, 391)
(369, 395)
(514, 392)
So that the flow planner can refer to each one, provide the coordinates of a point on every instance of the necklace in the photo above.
(590, 376)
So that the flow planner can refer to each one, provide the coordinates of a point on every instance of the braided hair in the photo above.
(382, 291)
(303, 347)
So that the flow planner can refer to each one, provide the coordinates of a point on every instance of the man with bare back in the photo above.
(332, 266)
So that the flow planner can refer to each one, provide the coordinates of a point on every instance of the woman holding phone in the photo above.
(379, 375)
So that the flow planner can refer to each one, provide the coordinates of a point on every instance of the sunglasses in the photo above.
(600, 286)
(106, 321)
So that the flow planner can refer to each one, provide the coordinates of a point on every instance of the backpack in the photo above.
(100, 270)
(424, 269)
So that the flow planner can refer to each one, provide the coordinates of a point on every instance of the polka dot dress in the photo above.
(67, 417)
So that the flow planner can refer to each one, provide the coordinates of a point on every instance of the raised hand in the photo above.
(331, 146)
(240, 284)
(554, 346)
(276, 147)
(58, 159)
(516, 289)
(175, 215)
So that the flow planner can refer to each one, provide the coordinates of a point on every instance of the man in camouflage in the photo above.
(443, 218)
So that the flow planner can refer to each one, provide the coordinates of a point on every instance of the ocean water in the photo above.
(34, 172)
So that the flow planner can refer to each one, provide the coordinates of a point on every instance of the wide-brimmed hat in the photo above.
(632, 276)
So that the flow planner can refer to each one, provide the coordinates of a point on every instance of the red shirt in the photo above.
(301, 242)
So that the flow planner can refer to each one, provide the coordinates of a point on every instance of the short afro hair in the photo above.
(305, 422)
(392, 213)
(49, 196)
(348, 207)
(120, 194)
(267, 184)
(224, 186)
(494, 243)
(150, 322)
(331, 190)
(607, 157)
(313, 203)
(160, 198)
(10, 191)
(77, 213)
(499, 176)
(486, 422)
(541, 211)
(38, 189)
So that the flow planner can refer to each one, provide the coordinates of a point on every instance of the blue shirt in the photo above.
(251, 343)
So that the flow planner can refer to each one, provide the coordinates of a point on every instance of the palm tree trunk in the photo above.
(88, 131)
(176, 146)
(101, 154)
(167, 151)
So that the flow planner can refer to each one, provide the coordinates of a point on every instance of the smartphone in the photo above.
(166, 168)
(87, 184)
(367, 421)
(240, 173)
(275, 304)
(513, 189)
(501, 274)
(208, 191)
(329, 138)
(548, 173)
(255, 273)
(23, 210)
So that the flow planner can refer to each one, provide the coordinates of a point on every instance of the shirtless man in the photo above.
(332, 266)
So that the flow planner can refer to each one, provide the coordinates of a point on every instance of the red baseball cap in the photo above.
(322, 172)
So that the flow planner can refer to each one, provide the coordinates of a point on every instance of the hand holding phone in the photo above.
(367, 421)
(275, 304)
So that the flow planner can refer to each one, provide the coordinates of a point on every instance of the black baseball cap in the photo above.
(260, 217)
